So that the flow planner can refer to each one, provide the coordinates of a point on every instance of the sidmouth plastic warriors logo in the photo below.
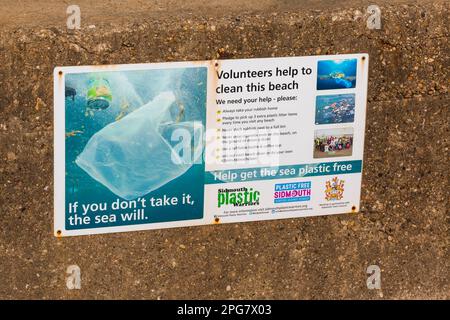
(238, 197)
(334, 189)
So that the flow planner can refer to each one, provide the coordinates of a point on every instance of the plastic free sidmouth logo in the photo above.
(238, 197)
(292, 192)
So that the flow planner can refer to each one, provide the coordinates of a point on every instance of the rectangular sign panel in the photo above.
(148, 146)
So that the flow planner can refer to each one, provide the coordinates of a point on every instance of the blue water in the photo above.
(131, 90)
(338, 108)
(326, 68)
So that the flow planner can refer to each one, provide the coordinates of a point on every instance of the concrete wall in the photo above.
(402, 226)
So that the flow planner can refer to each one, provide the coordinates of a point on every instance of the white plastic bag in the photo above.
(131, 157)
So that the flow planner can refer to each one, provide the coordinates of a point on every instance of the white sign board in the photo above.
(148, 146)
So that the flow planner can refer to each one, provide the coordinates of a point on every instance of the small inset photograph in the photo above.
(333, 143)
(338, 108)
(336, 74)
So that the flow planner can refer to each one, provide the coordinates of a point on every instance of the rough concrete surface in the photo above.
(403, 225)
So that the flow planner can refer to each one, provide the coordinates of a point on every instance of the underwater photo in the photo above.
(123, 135)
(339, 108)
(336, 74)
